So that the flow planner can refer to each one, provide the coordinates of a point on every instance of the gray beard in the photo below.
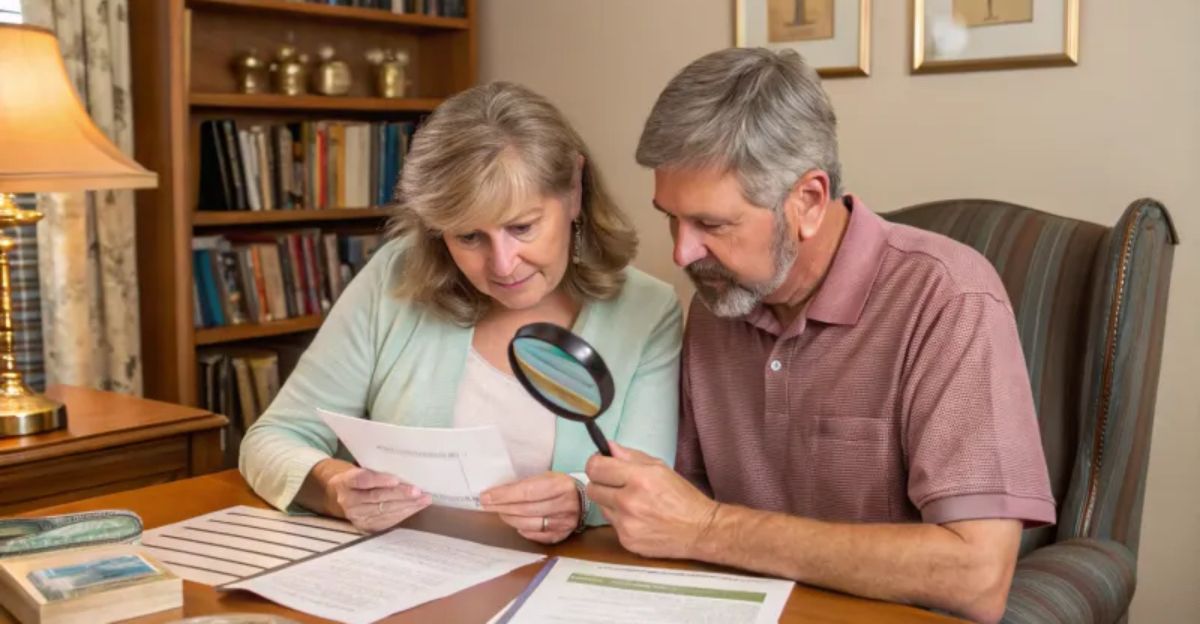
(725, 296)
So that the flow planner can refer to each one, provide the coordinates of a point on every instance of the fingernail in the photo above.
(416, 491)
(485, 499)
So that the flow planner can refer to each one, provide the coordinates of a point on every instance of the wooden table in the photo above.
(112, 442)
(173, 502)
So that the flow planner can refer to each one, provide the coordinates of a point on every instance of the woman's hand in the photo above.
(374, 501)
(544, 508)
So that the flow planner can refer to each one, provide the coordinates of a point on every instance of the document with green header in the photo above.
(587, 592)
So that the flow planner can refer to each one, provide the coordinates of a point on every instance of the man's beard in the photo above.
(727, 297)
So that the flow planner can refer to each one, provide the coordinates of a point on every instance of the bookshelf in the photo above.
(184, 86)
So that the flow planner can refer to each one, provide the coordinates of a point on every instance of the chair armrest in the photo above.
(1077, 581)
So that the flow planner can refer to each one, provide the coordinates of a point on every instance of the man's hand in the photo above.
(373, 501)
(656, 512)
(551, 496)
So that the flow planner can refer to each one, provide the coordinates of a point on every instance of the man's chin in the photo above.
(730, 304)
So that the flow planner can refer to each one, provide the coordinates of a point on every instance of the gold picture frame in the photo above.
(824, 45)
(953, 33)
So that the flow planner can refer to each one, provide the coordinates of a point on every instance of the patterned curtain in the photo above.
(86, 246)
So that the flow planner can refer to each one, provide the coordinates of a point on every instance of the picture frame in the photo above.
(984, 35)
(834, 36)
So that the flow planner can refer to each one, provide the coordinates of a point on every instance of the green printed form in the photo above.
(659, 588)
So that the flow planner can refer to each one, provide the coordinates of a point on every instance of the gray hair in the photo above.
(759, 113)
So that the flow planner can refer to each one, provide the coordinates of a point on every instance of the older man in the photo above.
(856, 409)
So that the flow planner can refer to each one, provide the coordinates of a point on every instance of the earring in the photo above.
(577, 252)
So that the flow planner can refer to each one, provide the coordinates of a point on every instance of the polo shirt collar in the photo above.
(843, 295)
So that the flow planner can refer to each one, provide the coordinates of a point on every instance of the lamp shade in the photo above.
(48, 142)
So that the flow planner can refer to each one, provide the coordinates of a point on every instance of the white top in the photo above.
(488, 396)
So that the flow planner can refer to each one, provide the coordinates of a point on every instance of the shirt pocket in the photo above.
(854, 469)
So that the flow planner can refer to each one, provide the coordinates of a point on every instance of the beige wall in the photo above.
(1081, 142)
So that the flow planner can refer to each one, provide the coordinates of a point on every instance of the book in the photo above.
(90, 585)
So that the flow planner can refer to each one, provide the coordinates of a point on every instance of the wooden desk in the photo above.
(113, 442)
(174, 502)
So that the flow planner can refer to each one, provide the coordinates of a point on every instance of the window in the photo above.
(10, 11)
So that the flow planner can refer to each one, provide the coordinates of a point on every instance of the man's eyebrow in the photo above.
(703, 216)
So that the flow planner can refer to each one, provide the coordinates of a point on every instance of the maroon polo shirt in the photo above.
(900, 395)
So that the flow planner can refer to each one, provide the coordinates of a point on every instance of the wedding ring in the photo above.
(543, 524)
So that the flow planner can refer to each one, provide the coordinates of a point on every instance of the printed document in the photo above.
(371, 579)
(453, 466)
(237, 542)
(586, 592)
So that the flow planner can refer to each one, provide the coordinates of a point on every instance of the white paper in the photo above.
(453, 466)
(372, 579)
(586, 592)
(237, 542)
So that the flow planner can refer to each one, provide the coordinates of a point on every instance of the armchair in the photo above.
(1090, 303)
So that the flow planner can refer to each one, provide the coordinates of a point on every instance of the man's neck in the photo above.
(792, 298)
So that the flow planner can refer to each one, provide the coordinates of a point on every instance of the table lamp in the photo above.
(48, 144)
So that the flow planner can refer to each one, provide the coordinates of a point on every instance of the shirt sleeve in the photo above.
(650, 416)
(334, 373)
(971, 435)
(689, 458)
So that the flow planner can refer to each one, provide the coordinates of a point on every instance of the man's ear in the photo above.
(806, 203)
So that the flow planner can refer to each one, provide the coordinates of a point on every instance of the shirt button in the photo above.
(776, 365)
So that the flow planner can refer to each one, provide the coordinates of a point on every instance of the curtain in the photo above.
(86, 245)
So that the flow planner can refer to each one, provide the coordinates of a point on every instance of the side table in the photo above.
(113, 442)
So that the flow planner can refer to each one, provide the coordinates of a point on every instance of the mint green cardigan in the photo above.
(381, 357)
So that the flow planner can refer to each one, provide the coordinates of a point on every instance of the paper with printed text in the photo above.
(453, 466)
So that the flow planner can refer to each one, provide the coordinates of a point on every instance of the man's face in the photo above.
(735, 253)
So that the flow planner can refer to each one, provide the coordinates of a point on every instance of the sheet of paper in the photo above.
(454, 466)
(374, 578)
(237, 542)
(585, 592)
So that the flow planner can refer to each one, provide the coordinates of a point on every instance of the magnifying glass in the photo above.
(564, 373)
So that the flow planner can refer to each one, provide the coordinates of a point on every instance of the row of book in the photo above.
(440, 8)
(241, 382)
(309, 165)
(254, 277)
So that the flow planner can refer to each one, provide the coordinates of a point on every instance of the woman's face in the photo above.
(522, 259)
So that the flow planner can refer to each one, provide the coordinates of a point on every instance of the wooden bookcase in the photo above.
(181, 55)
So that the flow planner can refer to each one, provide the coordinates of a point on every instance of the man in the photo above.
(855, 399)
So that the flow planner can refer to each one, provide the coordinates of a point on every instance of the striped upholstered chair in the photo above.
(1090, 302)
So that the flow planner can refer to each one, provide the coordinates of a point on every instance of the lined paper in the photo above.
(237, 542)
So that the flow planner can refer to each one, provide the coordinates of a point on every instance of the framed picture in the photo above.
(833, 36)
(976, 35)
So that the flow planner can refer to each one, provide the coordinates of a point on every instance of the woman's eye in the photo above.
(468, 239)
(521, 229)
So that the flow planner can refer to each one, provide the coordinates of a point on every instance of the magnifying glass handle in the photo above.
(598, 438)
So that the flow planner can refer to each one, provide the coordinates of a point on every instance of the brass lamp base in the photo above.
(30, 413)
(22, 411)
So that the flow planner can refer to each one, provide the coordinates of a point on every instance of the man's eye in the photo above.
(711, 227)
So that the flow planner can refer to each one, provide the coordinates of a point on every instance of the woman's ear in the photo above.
(575, 203)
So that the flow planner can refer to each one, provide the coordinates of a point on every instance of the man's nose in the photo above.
(688, 247)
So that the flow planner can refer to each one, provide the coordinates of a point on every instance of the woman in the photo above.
(501, 221)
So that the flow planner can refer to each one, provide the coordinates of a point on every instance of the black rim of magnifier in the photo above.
(575, 347)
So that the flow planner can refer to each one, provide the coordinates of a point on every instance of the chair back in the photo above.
(1090, 304)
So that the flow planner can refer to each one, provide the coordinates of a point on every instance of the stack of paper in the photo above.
(374, 578)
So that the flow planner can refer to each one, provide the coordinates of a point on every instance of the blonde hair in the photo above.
(478, 154)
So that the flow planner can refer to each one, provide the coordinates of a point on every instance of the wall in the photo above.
(1081, 142)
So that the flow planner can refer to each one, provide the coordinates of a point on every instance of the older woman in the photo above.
(501, 221)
